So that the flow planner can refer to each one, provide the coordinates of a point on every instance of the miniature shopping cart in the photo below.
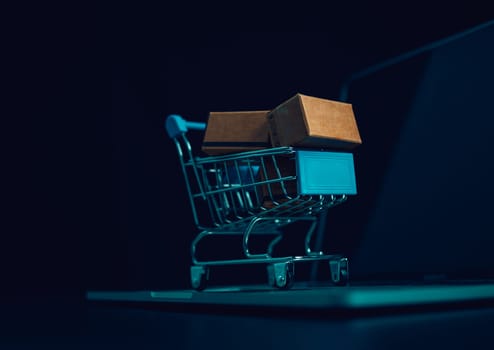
(261, 192)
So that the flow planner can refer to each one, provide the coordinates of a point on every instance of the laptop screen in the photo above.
(425, 170)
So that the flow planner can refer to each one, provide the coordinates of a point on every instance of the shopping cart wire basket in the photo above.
(261, 192)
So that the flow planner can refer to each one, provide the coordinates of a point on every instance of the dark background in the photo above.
(106, 201)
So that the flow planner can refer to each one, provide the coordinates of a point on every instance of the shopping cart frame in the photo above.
(240, 202)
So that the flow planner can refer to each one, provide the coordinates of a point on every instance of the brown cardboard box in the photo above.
(307, 121)
(231, 132)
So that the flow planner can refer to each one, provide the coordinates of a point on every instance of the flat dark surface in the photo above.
(407, 316)
(357, 299)
(135, 327)
(104, 326)
(101, 325)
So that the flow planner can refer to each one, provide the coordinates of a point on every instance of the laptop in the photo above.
(420, 232)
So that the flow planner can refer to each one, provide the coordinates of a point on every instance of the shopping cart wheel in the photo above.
(339, 271)
(199, 276)
(281, 275)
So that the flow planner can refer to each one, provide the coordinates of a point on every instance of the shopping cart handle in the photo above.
(176, 125)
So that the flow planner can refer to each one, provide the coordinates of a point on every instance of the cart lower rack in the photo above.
(258, 193)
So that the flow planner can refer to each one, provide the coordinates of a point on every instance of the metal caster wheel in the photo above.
(281, 275)
(199, 276)
(339, 271)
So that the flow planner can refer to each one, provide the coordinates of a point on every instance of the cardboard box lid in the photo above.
(311, 121)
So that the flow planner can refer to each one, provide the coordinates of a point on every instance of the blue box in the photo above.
(322, 172)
